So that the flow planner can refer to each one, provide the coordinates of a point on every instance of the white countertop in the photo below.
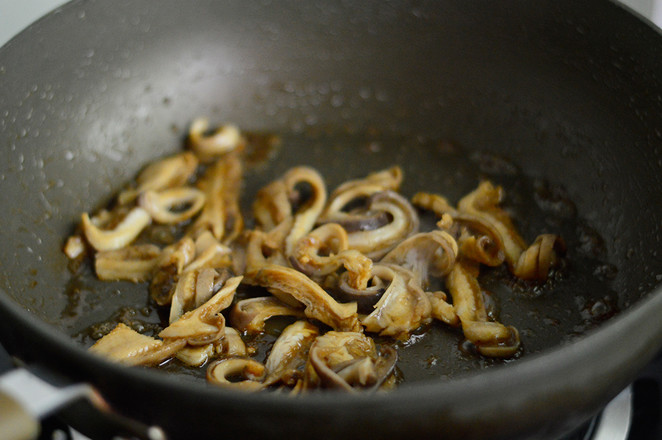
(15, 15)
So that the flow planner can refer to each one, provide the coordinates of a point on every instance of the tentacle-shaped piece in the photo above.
(357, 190)
(306, 215)
(433, 202)
(164, 206)
(121, 235)
(224, 139)
(490, 338)
(403, 223)
(286, 283)
(484, 248)
(261, 250)
(324, 250)
(131, 263)
(426, 253)
(251, 371)
(536, 262)
(250, 315)
(221, 185)
(483, 205)
(402, 308)
(166, 173)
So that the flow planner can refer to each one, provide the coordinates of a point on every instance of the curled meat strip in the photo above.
(166, 206)
(476, 239)
(347, 361)
(325, 249)
(193, 289)
(224, 139)
(426, 253)
(536, 262)
(353, 191)
(250, 315)
(490, 338)
(289, 354)
(275, 207)
(169, 266)
(121, 235)
(204, 324)
(403, 222)
(483, 205)
(221, 184)
(250, 371)
(286, 283)
(491, 237)
(166, 173)
(402, 308)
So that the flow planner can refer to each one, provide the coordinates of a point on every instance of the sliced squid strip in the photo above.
(131, 263)
(169, 267)
(252, 372)
(272, 205)
(126, 346)
(166, 173)
(357, 189)
(221, 185)
(483, 205)
(162, 205)
(426, 253)
(210, 253)
(224, 139)
(441, 309)
(195, 356)
(433, 202)
(289, 353)
(205, 324)
(122, 235)
(402, 308)
(250, 315)
(306, 216)
(404, 222)
(347, 361)
(284, 282)
(490, 338)
(331, 239)
(536, 262)
(231, 344)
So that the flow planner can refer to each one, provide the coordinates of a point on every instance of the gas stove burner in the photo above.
(612, 423)
(615, 420)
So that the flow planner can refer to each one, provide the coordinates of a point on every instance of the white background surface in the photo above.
(15, 15)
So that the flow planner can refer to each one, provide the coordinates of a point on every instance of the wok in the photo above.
(563, 92)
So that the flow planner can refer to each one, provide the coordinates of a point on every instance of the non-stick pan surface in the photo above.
(558, 101)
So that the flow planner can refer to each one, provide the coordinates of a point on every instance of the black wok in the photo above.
(568, 92)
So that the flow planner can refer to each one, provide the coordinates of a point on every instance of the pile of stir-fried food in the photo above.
(343, 266)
